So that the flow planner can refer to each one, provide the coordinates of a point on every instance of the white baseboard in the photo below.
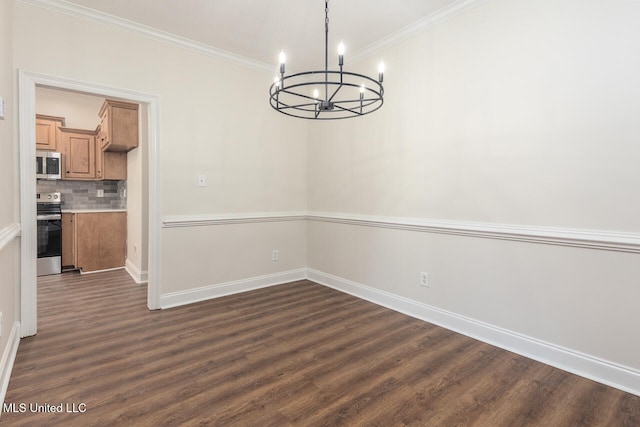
(135, 273)
(8, 357)
(175, 299)
(101, 271)
(605, 372)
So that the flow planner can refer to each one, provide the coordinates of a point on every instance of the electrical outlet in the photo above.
(275, 255)
(100, 193)
(424, 280)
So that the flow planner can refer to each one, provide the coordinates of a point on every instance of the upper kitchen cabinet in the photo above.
(119, 126)
(78, 146)
(110, 165)
(47, 132)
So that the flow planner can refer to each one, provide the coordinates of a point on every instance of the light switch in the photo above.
(1, 108)
(202, 180)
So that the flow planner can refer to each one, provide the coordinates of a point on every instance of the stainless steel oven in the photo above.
(49, 220)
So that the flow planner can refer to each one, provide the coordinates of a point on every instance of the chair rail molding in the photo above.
(8, 233)
(574, 237)
(223, 219)
(592, 239)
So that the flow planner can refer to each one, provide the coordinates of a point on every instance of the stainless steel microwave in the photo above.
(48, 165)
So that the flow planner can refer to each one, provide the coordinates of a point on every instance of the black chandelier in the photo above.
(339, 95)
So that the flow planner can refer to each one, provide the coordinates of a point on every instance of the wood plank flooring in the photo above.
(298, 354)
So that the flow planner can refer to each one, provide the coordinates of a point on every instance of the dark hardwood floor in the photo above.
(298, 354)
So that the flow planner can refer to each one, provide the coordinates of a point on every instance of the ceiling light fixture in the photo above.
(338, 95)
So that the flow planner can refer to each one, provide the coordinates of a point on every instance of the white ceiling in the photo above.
(259, 29)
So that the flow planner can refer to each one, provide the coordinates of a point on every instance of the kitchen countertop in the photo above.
(75, 211)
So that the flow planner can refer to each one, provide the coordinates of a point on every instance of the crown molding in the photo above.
(81, 12)
(439, 16)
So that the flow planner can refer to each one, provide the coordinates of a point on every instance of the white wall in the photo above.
(138, 203)
(9, 227)
(520, 113)
(213, 122)
(515, 112)
(79, 110)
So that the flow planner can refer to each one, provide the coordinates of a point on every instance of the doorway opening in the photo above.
(143, 191)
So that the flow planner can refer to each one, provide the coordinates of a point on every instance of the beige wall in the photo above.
(8, 159)
(213, 122)
(521, 113)
(138, 202)
(9, 252)
(79, 110)
(514, 112)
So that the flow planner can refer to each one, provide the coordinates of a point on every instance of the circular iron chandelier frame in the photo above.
(290, 95)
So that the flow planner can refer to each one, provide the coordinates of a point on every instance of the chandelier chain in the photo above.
(326, 49)
(326, 15)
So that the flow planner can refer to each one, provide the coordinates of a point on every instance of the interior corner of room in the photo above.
(494, 192)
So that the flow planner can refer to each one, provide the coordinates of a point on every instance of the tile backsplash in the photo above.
(84, 194)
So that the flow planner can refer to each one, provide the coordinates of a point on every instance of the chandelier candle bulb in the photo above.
(380, 71)
(282, 57)
(341, 54)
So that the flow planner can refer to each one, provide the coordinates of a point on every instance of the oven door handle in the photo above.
(48, 217)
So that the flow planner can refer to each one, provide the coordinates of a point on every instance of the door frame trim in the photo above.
(27, 82)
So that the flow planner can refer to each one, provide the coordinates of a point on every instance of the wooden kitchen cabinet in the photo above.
(118, 126)
(47, 134)
(68, 241)
(110, 165)
(100, 240)
(85, 160)
(78, 147)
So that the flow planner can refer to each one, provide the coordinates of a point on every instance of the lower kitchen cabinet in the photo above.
(68, 241)
(97, 240)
